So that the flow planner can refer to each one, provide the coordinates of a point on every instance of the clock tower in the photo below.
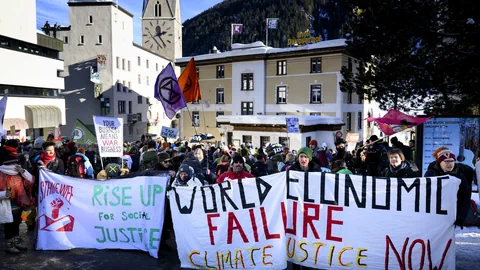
(162, 28)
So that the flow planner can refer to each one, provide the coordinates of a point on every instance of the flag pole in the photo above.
(266, 33)
(194, 127)
(205, 124)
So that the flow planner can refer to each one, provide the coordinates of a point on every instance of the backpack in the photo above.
(75, 166)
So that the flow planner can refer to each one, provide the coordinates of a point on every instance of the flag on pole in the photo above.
(168, 91)
(237, 28)
(272, 23)
(82, 135)
(3, 109)
(189, 84)
(395, 121)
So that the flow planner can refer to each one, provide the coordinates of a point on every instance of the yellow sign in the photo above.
(303, 38)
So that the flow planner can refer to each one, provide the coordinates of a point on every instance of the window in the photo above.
(158, 9)
(359, 120)
(316, 114)
(350, 66)
(129, 86)
(281, 113)
(349, 121)
(247, 108)
(221, 71)
(246, 139)
(65, 39)
(148, 80)
(156, 67)
(264, 140)
(315, 93)
(147, 63)
(123, 63)
(139, 115)
(349, 97)
(139, 61)
(316, 65)
(195, 119)
(82, 40)
(90, 19)
(220, 96)
(100, 40)
(284, 141)
(118, 62)
(281, 95)
(139, 99)
(121, 106)
(130, 104)
(247, 81)
(128, 65)
(139, 79)
(124, 86)
(218, 114)
(281, 67)
(119, 86)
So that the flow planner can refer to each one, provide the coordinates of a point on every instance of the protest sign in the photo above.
(337, 221)
(122, 214)
(236, 224)
(292, 125)
(109, 133)
(327, 221)
(169, 132)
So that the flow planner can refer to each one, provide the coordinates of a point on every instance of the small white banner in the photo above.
(169, 132)
(292, 125)
(114, 214)
(109, 136)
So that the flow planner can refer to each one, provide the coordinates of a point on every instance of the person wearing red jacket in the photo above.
(236, 170)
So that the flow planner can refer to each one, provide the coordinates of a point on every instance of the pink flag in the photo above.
(395, 121)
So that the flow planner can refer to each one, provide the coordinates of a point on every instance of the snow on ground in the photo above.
(468, 248)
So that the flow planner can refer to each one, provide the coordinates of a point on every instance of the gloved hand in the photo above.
(459, 223)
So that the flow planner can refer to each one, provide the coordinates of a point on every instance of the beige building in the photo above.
(257, 80)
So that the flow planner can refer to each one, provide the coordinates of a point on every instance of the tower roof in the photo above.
(144, 6)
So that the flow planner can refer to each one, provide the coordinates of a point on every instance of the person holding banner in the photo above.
(48, 159)
(399, 166)
(236, 171)
(304, 161)
(446, 165)
(186, 178)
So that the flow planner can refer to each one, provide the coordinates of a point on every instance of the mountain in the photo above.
(212, 27)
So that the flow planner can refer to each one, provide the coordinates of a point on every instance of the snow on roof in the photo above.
(307, 120)
(258, 47)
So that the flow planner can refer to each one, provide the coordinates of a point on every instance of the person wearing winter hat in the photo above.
(313, 145)
(15, 184)
(342, 154)
(186, 177)
(304, 161)
(236, 170)
(446, 165)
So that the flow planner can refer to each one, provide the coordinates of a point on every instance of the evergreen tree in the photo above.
(416, 54)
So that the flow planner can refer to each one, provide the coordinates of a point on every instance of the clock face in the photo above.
(159, 35)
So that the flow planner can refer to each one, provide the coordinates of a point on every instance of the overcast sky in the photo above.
(56, 11)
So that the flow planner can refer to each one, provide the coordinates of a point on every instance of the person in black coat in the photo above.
(445, 165)
(407, 151)
(399, 167)
(305, 162)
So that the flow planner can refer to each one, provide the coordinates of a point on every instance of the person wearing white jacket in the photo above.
(13, 179)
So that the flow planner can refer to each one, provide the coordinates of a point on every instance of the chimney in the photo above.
(215, 50)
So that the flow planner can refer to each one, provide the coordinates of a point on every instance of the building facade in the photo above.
(30, 74)
(257, 80)
(106, 73)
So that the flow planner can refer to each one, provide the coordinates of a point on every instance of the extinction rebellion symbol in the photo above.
(167, 92)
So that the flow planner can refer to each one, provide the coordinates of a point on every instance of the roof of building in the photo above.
(149, 51)
(98, 3)
(258, 48)
(304, 120)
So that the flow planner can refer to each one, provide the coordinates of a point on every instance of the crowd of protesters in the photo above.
(204, 164)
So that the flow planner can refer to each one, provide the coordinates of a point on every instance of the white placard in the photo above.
(109, 132)
(292, 125)
(169, 132)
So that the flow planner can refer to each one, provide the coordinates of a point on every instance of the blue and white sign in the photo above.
(169, 132)
(292, 125)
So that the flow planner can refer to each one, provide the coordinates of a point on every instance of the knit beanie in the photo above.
(314, 142)
(440, 149)
(305, 150)
(445, 154)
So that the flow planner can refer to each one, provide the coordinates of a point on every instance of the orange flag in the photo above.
(189, 84)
